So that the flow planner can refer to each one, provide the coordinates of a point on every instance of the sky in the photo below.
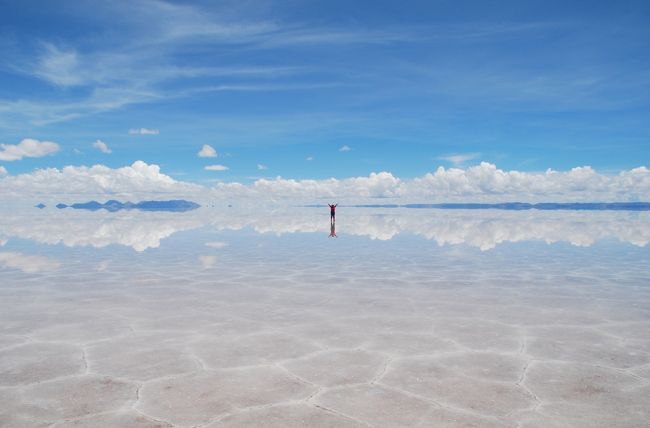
(216, 93)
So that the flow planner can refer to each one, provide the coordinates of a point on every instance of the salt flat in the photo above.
(425, 318)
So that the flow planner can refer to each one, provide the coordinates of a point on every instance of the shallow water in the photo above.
(227, 317)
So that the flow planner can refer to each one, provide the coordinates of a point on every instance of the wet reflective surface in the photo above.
(225, 317)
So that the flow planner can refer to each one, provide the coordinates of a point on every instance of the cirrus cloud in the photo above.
(27, 148)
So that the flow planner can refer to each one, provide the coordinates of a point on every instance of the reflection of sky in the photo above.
(484, 229)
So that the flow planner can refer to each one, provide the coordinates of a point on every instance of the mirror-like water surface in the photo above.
(393, 317)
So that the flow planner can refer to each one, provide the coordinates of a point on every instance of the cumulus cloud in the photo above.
(27, 148)
(480, 183)
(216, 168)
(261, 167)
(28, 263)
(207, 152)
(3, 171)
(74, 182)
(459, 158)
(143, 131)
(101, 146)
(345, 148)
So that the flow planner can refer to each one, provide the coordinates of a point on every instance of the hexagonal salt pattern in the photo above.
(66, 398)
(298, 415)
(37, 362)
(199, 398)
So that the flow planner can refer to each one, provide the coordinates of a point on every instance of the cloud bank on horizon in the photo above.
(480, 183)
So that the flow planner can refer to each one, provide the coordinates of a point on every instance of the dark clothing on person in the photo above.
(332, 211)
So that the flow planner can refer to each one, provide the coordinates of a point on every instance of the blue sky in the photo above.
(407, 87)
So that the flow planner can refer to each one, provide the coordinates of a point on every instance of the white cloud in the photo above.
(207, 152)
(27, 148)
(27, 263)
(309, 158)
(144, 131)
(261, 167)
(101, 146)
(459, 158)
(479, 183)
(3, 170)
(345, 148)
(77, 182)
(216, 168)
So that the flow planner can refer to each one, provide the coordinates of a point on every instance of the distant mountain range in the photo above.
(178, 205)
(518, 206)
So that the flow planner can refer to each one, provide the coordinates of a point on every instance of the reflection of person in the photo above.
(332, 212)
(333, 230)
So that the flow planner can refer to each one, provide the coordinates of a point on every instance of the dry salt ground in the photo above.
(407, 319)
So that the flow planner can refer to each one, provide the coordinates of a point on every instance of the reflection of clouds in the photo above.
(27, 263)
(103, 266)
(484, 229)
(97, 229)
(487, 230)
(216, 244)
(207, 261)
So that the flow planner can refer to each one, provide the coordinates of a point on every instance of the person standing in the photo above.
(332, 212)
